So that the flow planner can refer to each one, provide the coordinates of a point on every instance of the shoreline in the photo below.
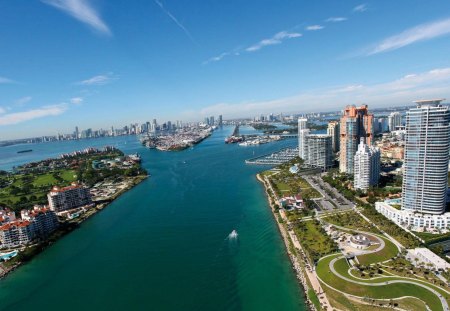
(295, 264)
(69, 227)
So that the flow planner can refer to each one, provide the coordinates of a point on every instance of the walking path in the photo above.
(311, 274)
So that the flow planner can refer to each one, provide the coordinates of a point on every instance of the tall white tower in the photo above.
(366, 166)
(302, 132)
(427, 144)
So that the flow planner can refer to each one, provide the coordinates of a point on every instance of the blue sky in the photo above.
(97, 63)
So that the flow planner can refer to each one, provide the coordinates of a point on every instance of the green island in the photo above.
(354, 258)
(263, 126)
(106, 173)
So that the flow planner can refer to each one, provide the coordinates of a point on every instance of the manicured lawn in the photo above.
(387, 291)
(389, 251)
(68, 175)
(45, 180)
(314, 299)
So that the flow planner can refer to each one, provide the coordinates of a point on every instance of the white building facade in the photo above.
(302, 132)
(395, 120)
(427, 144)
(366, 166)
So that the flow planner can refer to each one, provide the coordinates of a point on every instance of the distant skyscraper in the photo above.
(355, 123)
(333, 131)
(77, 133)
(220, 120)
(367, 166)
(317, 151)
(395, 119)
(211, 120)
(302, 131)
(427, 143)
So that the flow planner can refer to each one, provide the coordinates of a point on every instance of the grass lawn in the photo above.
(387, 291)
(389, 251)
(314, 240)
(351, 220)
(44, 180)
(314, 299)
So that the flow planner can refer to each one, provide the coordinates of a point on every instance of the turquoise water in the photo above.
(163, 245)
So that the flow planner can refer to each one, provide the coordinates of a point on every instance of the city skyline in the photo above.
(169, 60)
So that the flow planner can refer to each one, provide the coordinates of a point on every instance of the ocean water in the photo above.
(164, 244)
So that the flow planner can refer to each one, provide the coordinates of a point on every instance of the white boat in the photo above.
(233, 235)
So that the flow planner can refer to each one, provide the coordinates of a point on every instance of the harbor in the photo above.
(276, 158)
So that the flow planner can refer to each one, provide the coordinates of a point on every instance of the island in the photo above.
(178, 140)
(42, 201)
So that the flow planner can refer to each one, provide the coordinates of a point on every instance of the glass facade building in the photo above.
(427, 144)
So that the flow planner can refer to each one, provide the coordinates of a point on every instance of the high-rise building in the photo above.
(61, 199)
(77, 133)
(427, 144)
(355, 123)
(43, 219)
(317, 151)
(366, 166)
(333, 131)
(220, 120)
(302, 132)
(211, 120)
(395, 119)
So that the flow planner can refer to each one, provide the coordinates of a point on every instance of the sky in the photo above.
(98, 63)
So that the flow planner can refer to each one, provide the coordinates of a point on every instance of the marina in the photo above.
(276, 158)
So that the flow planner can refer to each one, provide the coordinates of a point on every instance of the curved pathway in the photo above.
(444, 303)
(441, 298)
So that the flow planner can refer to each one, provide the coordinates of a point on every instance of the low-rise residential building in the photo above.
(414, 220)
(66, 198)
(427, 257)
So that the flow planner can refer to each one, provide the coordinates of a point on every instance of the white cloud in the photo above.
(278, 38)
(402, 91)
(4, 80)
(22, 101)
(336, 19)
(76, 100)
(82, 11)
(19, 117)
(2, 110)
(416, 34)
(314, 27)
(360, 8)
(175, 20)
(218, 58)
(99, 80)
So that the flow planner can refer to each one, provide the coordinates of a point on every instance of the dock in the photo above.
(276, 158)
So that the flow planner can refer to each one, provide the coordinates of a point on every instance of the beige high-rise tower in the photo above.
(356, 122)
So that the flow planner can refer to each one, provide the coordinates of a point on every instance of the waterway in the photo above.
(164, 244)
